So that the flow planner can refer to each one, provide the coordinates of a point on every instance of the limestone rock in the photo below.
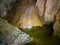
(30, 18)
(40, 4)
(57, 29)
(48, 9)
(52, 7)
(12, 35)
(5, 5)
(56, 26)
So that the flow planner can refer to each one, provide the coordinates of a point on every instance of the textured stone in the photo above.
(56, 25)
(48, 9)
(5, 5)
(40, 4)
(27, 15)
(12, 35)
(52, 7)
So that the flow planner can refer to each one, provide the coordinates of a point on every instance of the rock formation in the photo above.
(51, 13)
(56, 26)
(5, 5)
(49, 9)
(12, 35)
(26, 15)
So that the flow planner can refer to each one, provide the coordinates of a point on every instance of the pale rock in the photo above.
(12, 35)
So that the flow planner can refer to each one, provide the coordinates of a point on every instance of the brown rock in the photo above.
(41, 4)
(56, 26)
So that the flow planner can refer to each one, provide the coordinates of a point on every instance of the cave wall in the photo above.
(48, 9)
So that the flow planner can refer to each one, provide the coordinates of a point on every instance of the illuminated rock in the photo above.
(12, 35)
(48, 9)
(27, 15)
(31, 18)
(51, 9)
(41, 6)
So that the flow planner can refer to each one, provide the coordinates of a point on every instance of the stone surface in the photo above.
(40, 4)
(12, 35)
(27, 15)
(5, 5)
(56, 25)
(30, 18)
(51, 13)
(48, 9)
(52, 7)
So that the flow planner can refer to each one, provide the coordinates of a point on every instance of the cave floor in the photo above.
(42, 36)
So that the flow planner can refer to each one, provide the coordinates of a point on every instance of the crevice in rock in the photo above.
(44, 8)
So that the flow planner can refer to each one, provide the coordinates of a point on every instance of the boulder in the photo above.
(12, 35)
